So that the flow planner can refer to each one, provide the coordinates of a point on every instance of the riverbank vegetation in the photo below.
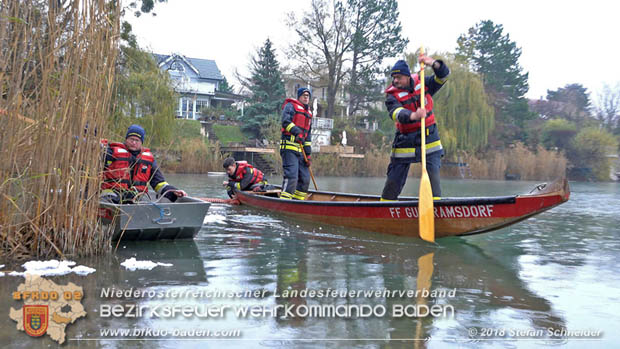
(56, 64)
(189, 151)
(516, 162)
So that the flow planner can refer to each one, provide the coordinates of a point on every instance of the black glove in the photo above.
(128, 197)
(169, 193)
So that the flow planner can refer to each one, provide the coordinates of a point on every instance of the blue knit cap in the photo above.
(401, 67)
(301, 90)
(136, 130)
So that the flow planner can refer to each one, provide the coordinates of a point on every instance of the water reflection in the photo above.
(307, 256)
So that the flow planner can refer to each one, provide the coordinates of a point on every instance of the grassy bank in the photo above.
(229, 133)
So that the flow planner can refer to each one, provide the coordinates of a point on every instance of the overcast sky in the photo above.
(562, 42)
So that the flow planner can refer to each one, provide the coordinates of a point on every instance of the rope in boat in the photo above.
(161, 212)
(221, 201)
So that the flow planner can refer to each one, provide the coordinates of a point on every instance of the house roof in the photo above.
(205, 68)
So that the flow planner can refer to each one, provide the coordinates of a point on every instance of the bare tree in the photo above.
(325, 40)
(607, 108)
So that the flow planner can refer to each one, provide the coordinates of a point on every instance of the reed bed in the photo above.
(56, 72)
(519, 161)
(191, 156)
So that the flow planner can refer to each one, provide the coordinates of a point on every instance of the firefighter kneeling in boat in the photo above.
(243, 176)
(129, 167)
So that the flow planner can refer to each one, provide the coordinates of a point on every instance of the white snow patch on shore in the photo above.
(51, 268)
(133, 264)
(48, 268)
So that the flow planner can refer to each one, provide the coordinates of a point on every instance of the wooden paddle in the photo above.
(426, 214)
(309, 168)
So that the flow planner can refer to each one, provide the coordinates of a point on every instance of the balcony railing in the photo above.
(323, 123)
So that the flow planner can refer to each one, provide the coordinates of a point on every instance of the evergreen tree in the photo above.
(225, 87)
(491, 53)
(574, 94)
(266, 88)
(571, 102)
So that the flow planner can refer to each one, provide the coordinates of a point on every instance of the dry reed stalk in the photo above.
(519, 160)
(192, 156)
(56, 69)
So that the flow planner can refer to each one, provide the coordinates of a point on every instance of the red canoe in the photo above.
(453, 216)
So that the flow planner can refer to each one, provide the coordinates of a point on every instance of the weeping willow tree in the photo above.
(461, 108)
(143, 95)
(56, 70)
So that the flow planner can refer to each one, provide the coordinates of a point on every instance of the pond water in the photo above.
(550, 280)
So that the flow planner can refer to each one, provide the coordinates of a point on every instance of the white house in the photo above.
(197, 82)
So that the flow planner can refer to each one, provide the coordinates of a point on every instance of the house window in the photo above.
(139, 113)
(187, 107)
(201, 106)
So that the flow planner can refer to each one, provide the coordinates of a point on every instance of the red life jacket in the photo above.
(411, 101)
(120, 175)
(242, 168)
(302, 117)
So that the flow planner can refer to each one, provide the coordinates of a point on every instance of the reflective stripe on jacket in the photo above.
(411, 101)
(245, 170)
(302, 119)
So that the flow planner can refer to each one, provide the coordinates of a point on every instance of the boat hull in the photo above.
(154, 221)
(453, 216)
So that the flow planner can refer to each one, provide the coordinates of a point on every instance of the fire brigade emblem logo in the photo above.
(36, 319)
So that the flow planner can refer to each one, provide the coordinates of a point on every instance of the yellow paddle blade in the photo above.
(425, 209)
